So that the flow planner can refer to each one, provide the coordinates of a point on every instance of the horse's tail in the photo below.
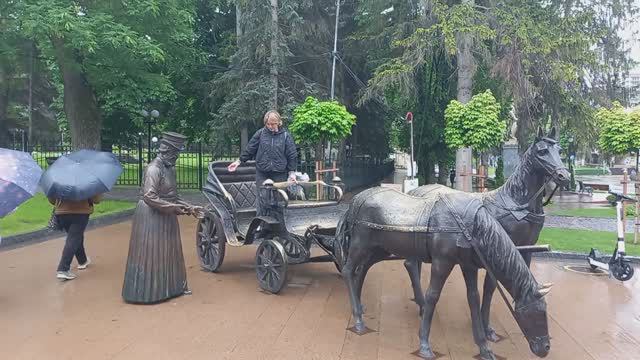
(343, 236)
(348, 220)
(501, 255)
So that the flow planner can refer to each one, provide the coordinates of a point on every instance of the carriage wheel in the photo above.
(271, 266)
(210, 242)
(296, 251)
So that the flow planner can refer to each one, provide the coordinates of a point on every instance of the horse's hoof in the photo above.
(360, 330)
(492, 336)
(359, 327)
(486, 355)
(426, 353)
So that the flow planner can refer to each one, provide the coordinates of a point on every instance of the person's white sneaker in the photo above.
(84, 266)
(65, 275)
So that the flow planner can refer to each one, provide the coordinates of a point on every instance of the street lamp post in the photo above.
(149, 119)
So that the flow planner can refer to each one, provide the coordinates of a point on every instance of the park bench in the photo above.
(50, 159)
(127, 159)
(582, 188)
(602, 187)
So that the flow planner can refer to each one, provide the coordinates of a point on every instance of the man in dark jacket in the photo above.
(274, 151)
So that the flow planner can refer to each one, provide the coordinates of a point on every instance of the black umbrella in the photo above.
(81, 175)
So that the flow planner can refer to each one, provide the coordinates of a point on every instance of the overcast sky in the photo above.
(631, 34)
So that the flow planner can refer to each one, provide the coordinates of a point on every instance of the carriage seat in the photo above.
(241, 185)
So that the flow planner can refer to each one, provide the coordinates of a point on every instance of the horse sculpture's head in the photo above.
(531, 315)
(546, 157)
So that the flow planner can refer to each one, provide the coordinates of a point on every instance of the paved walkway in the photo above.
(227, 317)
(586, 223)
(612, 180)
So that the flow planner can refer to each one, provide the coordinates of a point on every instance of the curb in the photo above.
(38, 236)
(577, 256)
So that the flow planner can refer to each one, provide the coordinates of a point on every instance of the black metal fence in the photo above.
(192, 165)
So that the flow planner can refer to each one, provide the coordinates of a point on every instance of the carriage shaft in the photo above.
(534, 248)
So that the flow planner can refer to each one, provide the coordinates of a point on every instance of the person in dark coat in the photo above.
(452, 176)
(275, 153)
(155, 268)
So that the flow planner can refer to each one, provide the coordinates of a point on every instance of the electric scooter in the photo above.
(617, 266)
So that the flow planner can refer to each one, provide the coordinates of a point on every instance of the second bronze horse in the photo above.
(446, 229)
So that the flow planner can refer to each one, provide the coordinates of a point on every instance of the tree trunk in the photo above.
(239, 31)
(244, 136)
(274, 54)
(466, 71)
(244, 130)
(4, 104)
(319, 151)
(443, 172)
(80, 105)
(431, 175)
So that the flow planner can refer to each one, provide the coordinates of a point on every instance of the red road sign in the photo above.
(409, 117)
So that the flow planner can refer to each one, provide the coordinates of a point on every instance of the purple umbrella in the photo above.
(19, 177)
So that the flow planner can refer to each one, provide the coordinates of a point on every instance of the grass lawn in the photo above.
(598, 212)
(35, 213)
(590, 171)
(582, 241)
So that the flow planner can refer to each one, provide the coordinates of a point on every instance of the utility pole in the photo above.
(335, 51)
(333, 65)
(275, 54)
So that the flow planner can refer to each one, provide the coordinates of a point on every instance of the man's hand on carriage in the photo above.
(292, 178)
(233, 166)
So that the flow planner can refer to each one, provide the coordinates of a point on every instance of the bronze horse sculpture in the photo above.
(445, 229)
(517, 206)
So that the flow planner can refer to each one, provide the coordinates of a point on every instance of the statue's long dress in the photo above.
(155, 266)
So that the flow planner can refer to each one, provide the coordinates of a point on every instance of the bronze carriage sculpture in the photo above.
(231, 194)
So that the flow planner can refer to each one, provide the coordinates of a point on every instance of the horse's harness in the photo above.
(474, 245)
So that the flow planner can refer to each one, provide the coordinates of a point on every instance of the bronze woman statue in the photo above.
(155, 267)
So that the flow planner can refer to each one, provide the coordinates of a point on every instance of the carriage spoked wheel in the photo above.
(295, 248)
(271, 265)
(210, 242)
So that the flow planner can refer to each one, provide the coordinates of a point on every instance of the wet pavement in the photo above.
(227, 317)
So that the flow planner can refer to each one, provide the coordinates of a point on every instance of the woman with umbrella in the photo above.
(73, 217)
(155, 266)
(73, 184)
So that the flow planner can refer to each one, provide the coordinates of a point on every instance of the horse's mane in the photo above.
(502, 257)
(513, 185)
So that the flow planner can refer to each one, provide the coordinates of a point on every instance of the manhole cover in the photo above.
(585, 270)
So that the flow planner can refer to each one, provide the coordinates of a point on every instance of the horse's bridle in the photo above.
(548, 178)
